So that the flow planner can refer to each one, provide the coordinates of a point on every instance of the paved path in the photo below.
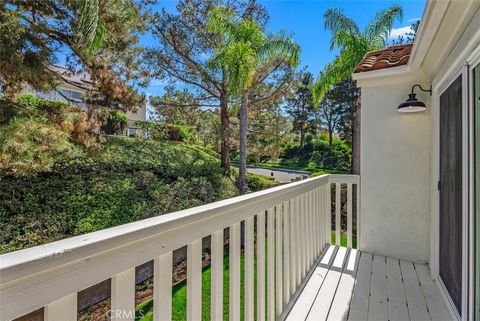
(279, 174)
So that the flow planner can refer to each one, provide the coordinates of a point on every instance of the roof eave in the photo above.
(382, 72)
(431, 19)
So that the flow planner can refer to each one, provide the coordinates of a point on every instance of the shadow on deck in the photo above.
(347, 284)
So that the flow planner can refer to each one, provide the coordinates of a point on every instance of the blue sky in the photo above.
(304, 18)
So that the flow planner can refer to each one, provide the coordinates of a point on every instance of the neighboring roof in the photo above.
(393, 56)
(80, 79)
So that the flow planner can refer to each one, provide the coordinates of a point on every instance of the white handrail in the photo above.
(42, 275)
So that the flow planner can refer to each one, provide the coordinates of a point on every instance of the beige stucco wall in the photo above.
(138, 115)
(395, 173)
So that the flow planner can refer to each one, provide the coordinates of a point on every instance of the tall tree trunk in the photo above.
(330, 137)
(302, 135)
(242, 177)
(225, 134)
(356, 138)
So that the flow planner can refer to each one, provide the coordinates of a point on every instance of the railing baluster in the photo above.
(261, 266)
(123, 296)
(312, 228)
(293, 245)
(318, 214)
(313, 234)
(216, 304)
(316, 225)
(286, 251)
(298, 243)
(279, 258)
(234, 295)
(162, 288)
(328, 217)
(320, 222)
(271, 264)
(301, 236)
(306, 235)
(249, 269)
(62, 309)
(307, 226)
(338, 194)
(349, 215)
(194, 280)
(358, 221)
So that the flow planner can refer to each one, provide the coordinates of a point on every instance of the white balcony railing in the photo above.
(284, 231)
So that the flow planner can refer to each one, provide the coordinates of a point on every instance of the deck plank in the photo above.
(361, 292)
(397, 302)
(417, 305)
(378, 293)
(325, 296)
(343, 296)
(305, 300)
(435, 302)
(353, 285)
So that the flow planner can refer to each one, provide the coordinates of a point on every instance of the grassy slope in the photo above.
(128, 179)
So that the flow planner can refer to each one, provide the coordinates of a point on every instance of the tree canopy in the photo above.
(101, 37)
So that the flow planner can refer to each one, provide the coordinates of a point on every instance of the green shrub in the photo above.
(259, 182)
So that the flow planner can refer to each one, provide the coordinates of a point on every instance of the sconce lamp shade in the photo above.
(411, 105)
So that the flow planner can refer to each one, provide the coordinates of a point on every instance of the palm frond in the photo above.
(336, 71)
(280, 46)
(379, 28)
(337, 22)
(240, 60)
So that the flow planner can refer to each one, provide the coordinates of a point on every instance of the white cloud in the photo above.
(413, 20)
(399, 32)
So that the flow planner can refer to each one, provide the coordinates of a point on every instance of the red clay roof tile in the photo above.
(393, 56)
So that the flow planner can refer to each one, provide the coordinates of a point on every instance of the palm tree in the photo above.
(353, 45)
(246, 49)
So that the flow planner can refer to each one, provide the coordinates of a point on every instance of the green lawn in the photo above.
(343, 240)
(179, 292)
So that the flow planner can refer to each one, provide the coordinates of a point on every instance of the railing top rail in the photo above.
(341, 178)
(13, 265)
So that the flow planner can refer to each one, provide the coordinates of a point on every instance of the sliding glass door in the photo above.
(451, 193)
(476, 106)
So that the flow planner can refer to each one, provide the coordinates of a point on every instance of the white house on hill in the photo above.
(73, 88)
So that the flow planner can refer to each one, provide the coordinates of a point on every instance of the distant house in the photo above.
(74, 87)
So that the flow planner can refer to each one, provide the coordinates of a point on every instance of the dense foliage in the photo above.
(126, 180)
(316, 153)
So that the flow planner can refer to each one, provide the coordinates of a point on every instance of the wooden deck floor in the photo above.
(351, 285)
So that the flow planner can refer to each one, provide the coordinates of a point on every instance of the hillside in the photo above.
(124, 180)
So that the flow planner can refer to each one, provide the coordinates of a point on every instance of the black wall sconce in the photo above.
(412, 104)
